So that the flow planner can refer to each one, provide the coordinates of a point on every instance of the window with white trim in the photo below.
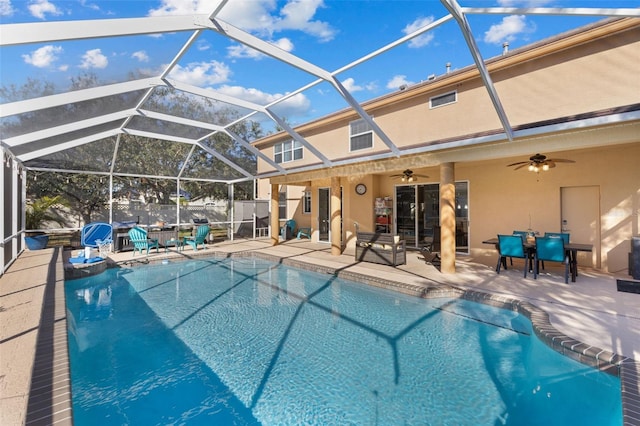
(287, 151)
(446, 99)
(360, 135)
(306, 202)
(282, 202)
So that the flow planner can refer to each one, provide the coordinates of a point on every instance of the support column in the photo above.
(447, 218)
(274, 218)
(336, 218)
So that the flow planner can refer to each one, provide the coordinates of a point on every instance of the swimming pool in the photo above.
(247, 341)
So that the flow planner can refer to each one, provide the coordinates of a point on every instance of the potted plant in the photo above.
(37, 213)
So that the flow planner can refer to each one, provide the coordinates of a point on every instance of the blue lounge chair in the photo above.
(200, 238)
(98, 235)
(141, 241)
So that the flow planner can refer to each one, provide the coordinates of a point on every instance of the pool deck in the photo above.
(34, 382)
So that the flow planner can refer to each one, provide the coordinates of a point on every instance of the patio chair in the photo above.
(551, 249)
(512, 246)
(304, 232)
(141, 241)
(202, 232)
(288, 229)
(98, 235)
(523, 235)
(431, 247)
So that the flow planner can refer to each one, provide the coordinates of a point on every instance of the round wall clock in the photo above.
(361, 188)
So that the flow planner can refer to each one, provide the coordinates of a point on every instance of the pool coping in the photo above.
(627, 369)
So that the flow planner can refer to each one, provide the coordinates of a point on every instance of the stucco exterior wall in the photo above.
(590, 77)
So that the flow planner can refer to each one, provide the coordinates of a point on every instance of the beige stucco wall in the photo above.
(501, 199)
(588, 77)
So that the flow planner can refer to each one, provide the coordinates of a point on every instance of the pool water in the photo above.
(245, 342)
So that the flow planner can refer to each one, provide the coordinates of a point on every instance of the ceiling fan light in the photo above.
(545, 167)
(536, 169)
(531, 167)
(410, 179)
(404, 178)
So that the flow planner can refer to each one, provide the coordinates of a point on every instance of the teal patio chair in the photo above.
(551, 249)
(288, 229)
(511, 246)
(304, 232)
(200, 238)
(141, 241)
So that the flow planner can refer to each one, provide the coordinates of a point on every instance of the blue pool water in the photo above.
(246, 342)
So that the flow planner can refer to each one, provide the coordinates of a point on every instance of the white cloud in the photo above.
(297, 105)
(202, 45)
(298, 15)
(421, 40)
(43, 56)
(507, 29)
(351, 86)
(94, 59)
(242, 51)
(40, 8)
(397, 81)
(141, 56)
(201, 73)
(259, 16)
(5, 8)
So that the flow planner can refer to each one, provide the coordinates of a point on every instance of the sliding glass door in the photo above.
(418, 214)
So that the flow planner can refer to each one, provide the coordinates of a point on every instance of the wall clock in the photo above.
(361, 188)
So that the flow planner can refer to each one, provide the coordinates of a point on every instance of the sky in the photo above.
(329, 34)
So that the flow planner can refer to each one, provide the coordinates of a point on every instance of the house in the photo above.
(573, 97)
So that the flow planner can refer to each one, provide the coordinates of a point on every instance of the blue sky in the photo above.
(327, 33)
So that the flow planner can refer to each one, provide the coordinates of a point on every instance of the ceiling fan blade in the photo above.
(551, 163)
(522, 164)
(560, 160)
(518, 163)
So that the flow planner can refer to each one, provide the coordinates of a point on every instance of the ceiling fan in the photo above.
(539, 162)
(409, 176)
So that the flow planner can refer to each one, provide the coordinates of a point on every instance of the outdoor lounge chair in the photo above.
(141, 241)
(200, 238)
(98, 235)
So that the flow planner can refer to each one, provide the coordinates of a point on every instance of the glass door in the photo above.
(418, 214)
(324, 197)
(406, 213)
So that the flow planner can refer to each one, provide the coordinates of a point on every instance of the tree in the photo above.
(39, 212)
(143, 167)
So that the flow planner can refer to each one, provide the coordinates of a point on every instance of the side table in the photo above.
(178, 244)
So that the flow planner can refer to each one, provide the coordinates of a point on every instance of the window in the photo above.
(306, 202)
(361, 135)
(447, 98)
(287, 151)
(282, 202)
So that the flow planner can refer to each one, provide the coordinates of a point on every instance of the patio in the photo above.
(590, 311)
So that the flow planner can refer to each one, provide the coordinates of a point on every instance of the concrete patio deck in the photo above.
(590, 311)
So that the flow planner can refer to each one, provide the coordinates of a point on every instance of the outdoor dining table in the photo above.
(572, 250)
